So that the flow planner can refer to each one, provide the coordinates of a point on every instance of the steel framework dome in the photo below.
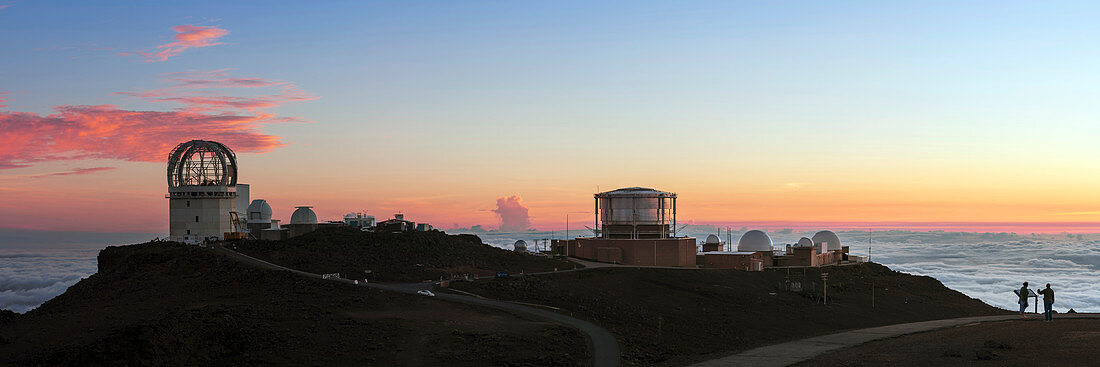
(753, 241)
(712, 240)
(520, 245)
(202, 163)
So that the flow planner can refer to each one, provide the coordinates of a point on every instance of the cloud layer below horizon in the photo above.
(28, 278)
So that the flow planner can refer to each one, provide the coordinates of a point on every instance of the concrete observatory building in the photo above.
(202, 191)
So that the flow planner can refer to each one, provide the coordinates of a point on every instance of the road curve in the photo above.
(604, 347)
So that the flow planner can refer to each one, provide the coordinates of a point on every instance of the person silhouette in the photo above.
(1048, 303)
(1023, 300)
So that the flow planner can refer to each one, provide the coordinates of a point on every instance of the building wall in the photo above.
(213, 218)
(612, 255)
(749, 262)
(243, 201)
(648, 252)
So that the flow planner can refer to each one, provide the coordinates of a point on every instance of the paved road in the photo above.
(786, 354)
(604, 347)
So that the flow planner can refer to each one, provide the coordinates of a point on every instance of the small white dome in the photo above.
(712, 240)
(753, 241)
(304, 215)
(349, 215)
(831, 241)
(804, 242)
(259, 211)
(520, 245)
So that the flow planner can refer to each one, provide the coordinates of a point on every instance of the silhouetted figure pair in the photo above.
(1048, 301)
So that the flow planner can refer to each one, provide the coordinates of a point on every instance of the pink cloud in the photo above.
(187, 37)
(108, 132)
(200, 91)
(78, 171)
(513, 214)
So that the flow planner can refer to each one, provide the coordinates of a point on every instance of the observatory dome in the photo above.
(753, 241)
(201, 163)
(304, 215)
(520, 245)
(804, 242)
(713, 240)
(259, 211)
(831, 241)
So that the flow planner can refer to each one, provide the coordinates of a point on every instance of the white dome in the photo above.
(831, 241)
(753, 241)
(804, 242)
(713, 240)
(304, 215)
(349, 215)
(520, 245)
(259, 211)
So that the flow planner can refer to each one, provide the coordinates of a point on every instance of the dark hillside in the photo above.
(676, 317)
(395, 257)
(166, 304)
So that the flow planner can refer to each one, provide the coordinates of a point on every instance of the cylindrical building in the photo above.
(636, 213)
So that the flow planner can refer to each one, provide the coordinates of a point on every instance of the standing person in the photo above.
(1048, 302)
(1023, 300)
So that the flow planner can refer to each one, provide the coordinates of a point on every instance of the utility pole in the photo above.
(868, 245)
(825, 286)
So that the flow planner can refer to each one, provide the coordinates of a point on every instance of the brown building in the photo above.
(648, 252)
(748, 261)
(636, 226)
(755, 252)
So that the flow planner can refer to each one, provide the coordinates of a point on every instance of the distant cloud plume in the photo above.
(78, 171)
(187, 37)
(513, 214)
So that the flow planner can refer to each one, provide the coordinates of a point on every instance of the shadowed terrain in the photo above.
(172, 304)
(676, 317)
(394, 257)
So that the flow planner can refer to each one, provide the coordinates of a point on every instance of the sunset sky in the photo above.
(871, 114)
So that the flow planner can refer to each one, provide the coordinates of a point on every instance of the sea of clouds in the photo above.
(991, 271)
(30, 277)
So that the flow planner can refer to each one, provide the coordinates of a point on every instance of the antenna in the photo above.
(868, 245)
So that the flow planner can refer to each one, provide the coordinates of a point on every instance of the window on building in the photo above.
(188, 231)
(196, 218)
(189, 203)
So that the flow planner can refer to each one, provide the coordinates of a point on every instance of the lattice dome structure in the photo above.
(202, 191)
(202, 163)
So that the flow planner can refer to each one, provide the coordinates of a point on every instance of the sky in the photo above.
(806, 115)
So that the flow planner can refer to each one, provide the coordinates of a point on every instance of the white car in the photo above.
(425, 292)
